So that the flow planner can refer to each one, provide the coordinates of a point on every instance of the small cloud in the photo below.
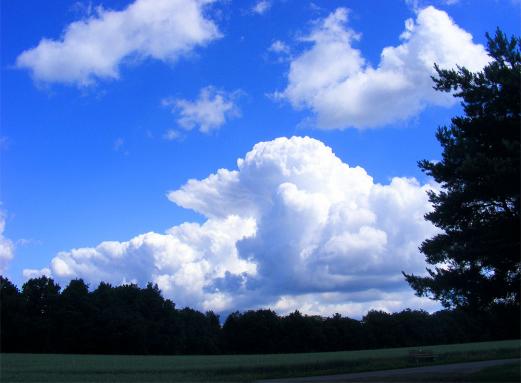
(261, 7)
(279, 46)
(171, 135)
(417, 5)
(208, 112)
(280, 50)
(84, 9)
(36, 273)
(314, 7)
(6, 246)
(27, 242)
(413, 4)
(168, 101)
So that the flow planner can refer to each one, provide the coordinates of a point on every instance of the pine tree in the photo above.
(476, 257)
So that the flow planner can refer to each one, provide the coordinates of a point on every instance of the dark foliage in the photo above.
(132, 320)
(478, 206)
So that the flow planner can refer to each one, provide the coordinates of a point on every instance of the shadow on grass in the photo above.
(352, 366)
(505, 373)
(250, 373)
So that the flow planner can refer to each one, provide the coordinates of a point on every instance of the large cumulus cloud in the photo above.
(292, 227)
(334, 80)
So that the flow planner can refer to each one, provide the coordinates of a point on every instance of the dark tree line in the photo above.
(110, 320)
(42, 318)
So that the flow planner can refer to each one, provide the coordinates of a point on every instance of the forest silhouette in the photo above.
(128, 319)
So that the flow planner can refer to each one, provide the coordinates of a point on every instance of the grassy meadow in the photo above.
(232, 368)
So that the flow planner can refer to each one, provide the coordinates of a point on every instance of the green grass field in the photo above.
(232, 368)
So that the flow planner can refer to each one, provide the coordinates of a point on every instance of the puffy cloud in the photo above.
(94, 48)
(321, 225)
(209, 112)
(261, 7)
(279, 47)
(280, 50)
(36, 273)
(335, 81)
(183, 261)
(292, 227)
(6, 246)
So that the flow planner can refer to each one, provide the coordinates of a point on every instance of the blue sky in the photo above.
(98, 127)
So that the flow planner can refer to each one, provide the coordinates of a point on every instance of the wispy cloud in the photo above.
(417, 5)
(261, 7)
(208, 112)
(279, 46)
(36, 273)
(171, 135)
(119, 146)
(280, 50)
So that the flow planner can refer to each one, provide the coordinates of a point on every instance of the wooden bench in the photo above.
(421, 356)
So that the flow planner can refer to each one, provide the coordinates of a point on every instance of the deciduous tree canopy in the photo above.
(128, 319)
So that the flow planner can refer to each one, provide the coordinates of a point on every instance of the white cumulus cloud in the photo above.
(292, 227)
(183, 261)
(6, 246)
(334, 80)
(261, 7)
(208, 112)
(94, 48)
